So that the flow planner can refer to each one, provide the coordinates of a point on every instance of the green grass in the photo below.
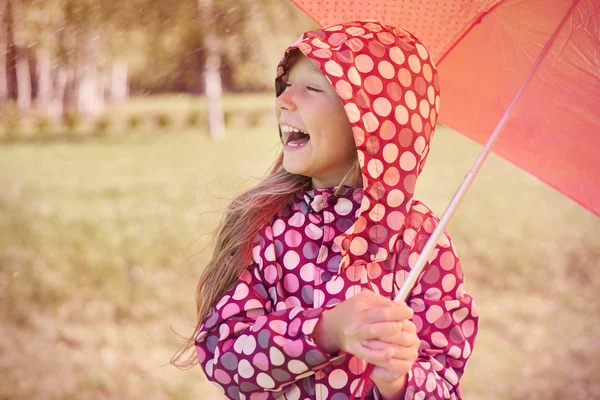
(101, 244)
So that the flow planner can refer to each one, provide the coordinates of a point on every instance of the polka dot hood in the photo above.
(390, 90)
(328, 245)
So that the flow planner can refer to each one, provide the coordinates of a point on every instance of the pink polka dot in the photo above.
(401, 114)
(394, 91)
(433, 313)
(293, 238)
(376, 48)
(359, 135)
(424, 109)
(468, 328)
(270, 273)
(410, 99)
(278, 326)
(338, 379)
(405, 77)
(358, 246)
(448, 282)
(420, 145)
(307, 272)
(391, 176)
(370, 122)
(397, 55)
(241, 292)
(354, 113)
(333, 68)
(334, 286)
(290, 282)
(322, 53)
(408, 161)
(278, 227)
(427, 73)
(364, 63)
(386, 69)
(373, 270)
(388, 130)
(373, 85)
(414, 63)
(344, 89)
(447, 260)
(416, 123)
(336, 38)
(291, 260)
(395, 220)
(386, 38)
(375, 168)
(390, 153)
(377, 213)
(261, 361)
(355, 31)
(419, 375)
(422, 51)
(460, 315)
(230, 310)
(382, 106)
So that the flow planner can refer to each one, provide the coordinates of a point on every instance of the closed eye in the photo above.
(309, 88)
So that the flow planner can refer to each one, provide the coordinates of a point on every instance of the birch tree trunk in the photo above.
(119, 89)
(212, 66)
(3, 52)
(21, 59)
(44, 81)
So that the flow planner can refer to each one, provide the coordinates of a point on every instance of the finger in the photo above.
(374, 330)
(400, 352)
(397, 367)
(388, 312)
(409, 326)
(378, 357)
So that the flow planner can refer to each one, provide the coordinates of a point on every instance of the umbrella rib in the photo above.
(416, 270)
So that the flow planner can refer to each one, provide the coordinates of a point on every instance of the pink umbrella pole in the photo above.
(464, 186)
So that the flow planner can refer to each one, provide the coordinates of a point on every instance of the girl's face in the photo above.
(325, 150)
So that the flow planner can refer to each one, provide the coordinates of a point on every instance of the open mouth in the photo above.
(294, 137)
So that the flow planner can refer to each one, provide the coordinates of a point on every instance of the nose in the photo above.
(285, 101)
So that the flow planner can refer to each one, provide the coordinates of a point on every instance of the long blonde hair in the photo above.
(240, 223)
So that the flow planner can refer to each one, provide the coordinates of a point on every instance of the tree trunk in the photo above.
(21, 61)
(44, 81)
(212, 74)
(3, 52)
(59, 86)
(119, 90)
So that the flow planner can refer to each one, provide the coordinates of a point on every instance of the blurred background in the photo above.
(116, 160)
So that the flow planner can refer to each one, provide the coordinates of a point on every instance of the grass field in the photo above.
(102, 241)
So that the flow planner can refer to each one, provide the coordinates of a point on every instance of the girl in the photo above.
(297, 297)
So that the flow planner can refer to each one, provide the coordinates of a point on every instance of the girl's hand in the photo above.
(368, 326)
(391, 378)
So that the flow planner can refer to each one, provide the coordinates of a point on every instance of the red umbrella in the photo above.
(484, 50)
(529, 69)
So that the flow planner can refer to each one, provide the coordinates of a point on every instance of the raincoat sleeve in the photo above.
(445, 316)
(244, 346)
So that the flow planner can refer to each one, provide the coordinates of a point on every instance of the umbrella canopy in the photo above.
(484, 49)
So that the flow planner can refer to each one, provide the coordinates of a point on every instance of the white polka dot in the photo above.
(343, 207)
(448, 282)
(265, 381)
(245, 369)
(338, 378)
(335, 285)
(278, 227)
(297, 367)
(439, 339)
(433, 313)
(291, 260)
(307, 272)
(276, 356)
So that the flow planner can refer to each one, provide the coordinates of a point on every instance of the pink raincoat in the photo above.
(323, 249)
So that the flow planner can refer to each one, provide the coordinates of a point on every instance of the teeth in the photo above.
(288, 129)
